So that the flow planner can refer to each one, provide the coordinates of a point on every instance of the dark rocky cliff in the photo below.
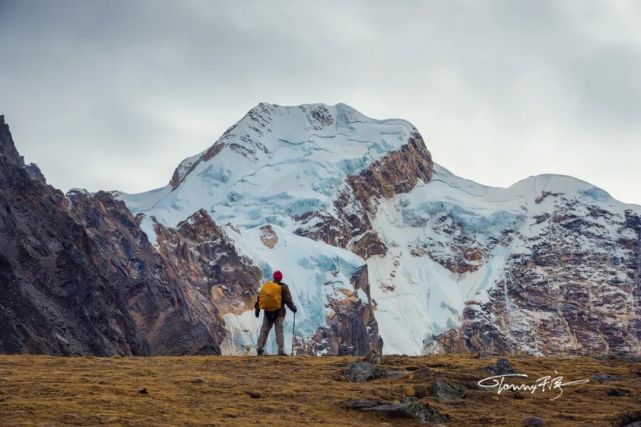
(77, 276)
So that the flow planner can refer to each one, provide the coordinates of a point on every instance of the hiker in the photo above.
(272, 298)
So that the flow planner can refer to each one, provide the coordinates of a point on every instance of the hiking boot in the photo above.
(260, 352)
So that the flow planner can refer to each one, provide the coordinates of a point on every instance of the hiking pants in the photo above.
(268, 322)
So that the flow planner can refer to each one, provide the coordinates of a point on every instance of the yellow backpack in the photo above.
(270, 297)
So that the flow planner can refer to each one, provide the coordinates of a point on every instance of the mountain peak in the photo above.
(270, 131)
(548, 182)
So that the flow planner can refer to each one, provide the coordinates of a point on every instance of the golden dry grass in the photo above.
(294, 391)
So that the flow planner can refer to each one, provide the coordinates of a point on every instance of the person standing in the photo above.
(274, 295)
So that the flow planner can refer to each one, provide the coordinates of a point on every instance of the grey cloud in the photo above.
(500, 89)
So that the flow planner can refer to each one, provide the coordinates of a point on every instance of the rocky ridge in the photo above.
(79, 276)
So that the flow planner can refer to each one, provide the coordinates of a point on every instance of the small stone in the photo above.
(198, 380)
(502, 367)
(363, 403)
(532, 421)
(629, 419)
(445, 391)
(604, 377)
(373, 357)
(420, 391)
(253, 394)
(143, 391)
(361, 372)
(423, 374)
(618, 392)
(409, 391)
(229, 415)
(390, 375)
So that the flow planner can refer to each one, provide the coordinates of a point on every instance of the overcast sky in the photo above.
(114, 94)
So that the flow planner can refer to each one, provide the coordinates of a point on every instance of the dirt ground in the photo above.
(296, 391)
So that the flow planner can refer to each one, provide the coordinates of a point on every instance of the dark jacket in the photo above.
(286, 298)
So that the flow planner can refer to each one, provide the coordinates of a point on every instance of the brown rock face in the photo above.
(352, 328)
(268, 236)
(215, 278)
(397, 172)
(369, 244)
(79, 277)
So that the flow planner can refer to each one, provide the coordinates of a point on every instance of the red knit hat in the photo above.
(278, 275)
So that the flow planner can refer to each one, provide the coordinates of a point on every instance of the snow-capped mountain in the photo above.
(549, 265)
(279, 174)
(382, 247)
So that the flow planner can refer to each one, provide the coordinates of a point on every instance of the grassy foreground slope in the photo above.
(294, 391)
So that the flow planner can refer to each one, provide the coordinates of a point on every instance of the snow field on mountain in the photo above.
(414, 293)
(275, 164)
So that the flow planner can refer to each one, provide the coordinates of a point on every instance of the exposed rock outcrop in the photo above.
(268, 236)
(213, 275)
(351, 326)
(361, 372)
(411, 408)
(395, 173)
(574, 289)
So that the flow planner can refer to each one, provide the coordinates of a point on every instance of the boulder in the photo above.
(502, 367)
(444, 391)
(532, 421)
(409, 408)
(604, 377)
(373, 357)
(253, 394)
(618, 392)
(361, 372)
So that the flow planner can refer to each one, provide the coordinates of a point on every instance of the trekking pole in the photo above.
(293, 332)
